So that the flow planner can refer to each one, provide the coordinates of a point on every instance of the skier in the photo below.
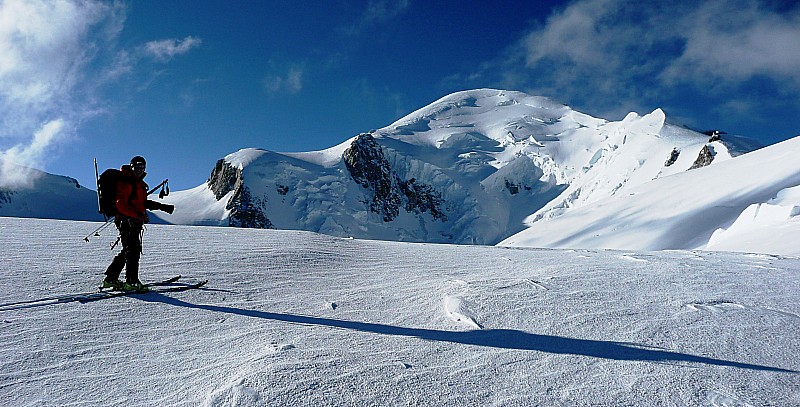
(131, 216)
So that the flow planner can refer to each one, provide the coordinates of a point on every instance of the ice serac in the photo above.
(473, 167)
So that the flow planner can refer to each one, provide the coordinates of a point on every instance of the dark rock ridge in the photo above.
(246, 211)
(5, 197)
(705, 157)
(368, 166)
(224, 178)
(673, 156)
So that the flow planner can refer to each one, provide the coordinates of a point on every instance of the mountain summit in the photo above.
(474, 167)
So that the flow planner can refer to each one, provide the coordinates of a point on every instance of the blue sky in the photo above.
(185, 83)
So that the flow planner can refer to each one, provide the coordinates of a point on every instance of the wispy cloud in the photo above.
(290, 82)
(165, 50)
(378, 12)
(608, 53)
(55, 57)
(735, 42)
(14, 173)
(45, 47)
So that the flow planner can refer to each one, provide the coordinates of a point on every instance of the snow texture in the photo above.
(298, 318)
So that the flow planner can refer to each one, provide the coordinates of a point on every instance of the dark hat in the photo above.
(138, 160)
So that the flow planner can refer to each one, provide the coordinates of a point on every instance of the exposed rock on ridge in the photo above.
(369, 167)
(245, 211)
(705, 157)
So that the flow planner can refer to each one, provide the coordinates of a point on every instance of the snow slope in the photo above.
(47, 196)
(684, 210)
(297, 318)
(769, 227)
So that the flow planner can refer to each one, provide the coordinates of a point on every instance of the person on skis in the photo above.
(131, 216)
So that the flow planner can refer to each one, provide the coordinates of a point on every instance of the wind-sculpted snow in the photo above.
(298, 318)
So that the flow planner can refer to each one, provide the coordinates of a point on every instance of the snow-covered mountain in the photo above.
(46, 196)
(474, 167)
(490, 166)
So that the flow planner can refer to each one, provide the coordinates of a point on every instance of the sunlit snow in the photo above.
(298, 318)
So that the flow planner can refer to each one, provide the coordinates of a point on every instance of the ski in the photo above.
(57, 299)
(113, 294)
(153, 284)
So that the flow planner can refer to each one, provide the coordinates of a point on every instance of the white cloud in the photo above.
(383, 10)
(165, 50)
(737, 42)
(291, 82)
(606, 53)
(45, 48)
(15, 162)
(377, 12)
(56, 59)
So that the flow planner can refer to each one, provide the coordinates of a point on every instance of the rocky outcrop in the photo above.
(5, 197)
(421, 198)
(224, 178)
(705, 157)
(369, 168)
(673, 156)
(246, 211)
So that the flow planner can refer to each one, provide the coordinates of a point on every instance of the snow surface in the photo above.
(684, 211)
(298, 318)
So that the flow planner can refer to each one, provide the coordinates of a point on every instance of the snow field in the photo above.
(296, 318)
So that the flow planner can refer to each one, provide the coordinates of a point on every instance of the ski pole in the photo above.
(97, 231)
(162, 184)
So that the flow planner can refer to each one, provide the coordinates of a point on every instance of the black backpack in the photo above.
(107, 191)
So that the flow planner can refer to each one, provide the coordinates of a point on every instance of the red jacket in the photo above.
(131, 194)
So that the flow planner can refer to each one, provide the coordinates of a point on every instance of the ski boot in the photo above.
(114, 284)
(135, 286)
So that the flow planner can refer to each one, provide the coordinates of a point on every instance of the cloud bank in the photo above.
(608, 53)
(55, 55)
(45, 47)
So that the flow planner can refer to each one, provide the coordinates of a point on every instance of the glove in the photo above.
(168, 208)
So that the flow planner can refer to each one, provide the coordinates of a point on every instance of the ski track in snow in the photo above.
(295, 318)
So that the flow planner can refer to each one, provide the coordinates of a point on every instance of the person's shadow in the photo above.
(493, 338)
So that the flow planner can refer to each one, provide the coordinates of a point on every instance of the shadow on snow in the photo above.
(493, 338)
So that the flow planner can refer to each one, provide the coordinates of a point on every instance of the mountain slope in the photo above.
(469, 168)
(47, 196)
(682, 211)
(301, 319)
